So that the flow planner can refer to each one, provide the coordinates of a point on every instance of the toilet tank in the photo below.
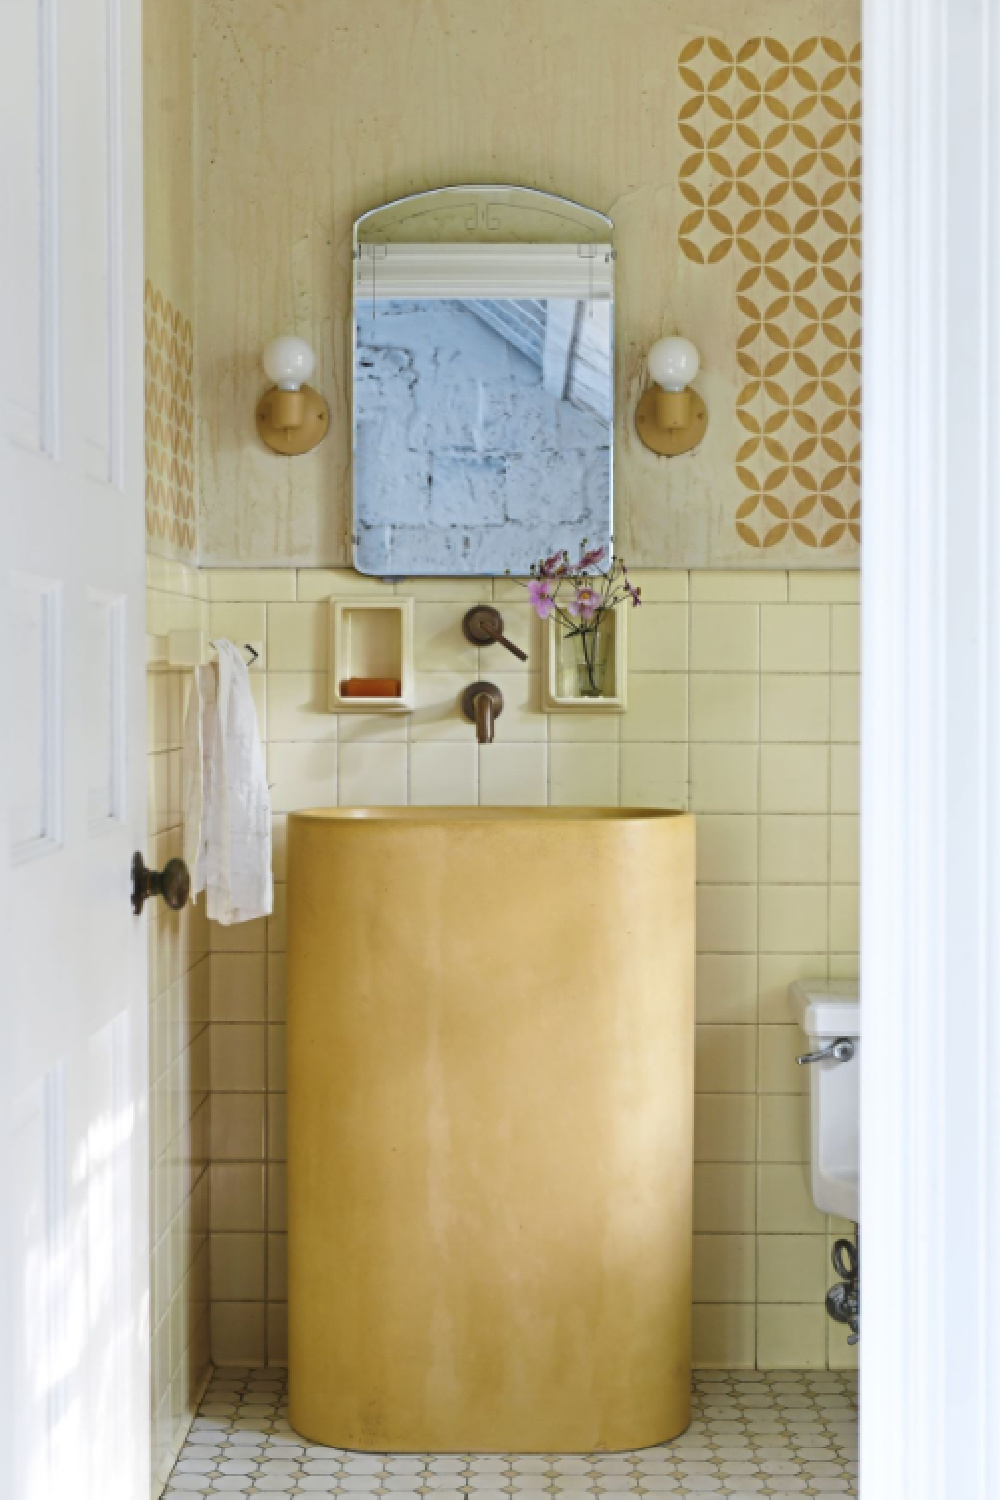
(828, 1010)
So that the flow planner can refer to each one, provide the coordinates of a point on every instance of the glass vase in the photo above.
(591, 652)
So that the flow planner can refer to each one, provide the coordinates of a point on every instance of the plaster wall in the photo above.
(722, 138)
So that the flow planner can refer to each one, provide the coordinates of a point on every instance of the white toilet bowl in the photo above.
(829, 1013)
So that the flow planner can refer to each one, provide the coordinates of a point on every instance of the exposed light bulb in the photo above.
(673, 363)
(289, 362)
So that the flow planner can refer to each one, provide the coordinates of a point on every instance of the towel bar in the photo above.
(190, 648)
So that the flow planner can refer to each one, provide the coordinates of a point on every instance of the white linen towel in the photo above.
(227, 807)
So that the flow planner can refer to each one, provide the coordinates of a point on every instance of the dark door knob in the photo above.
(173, 883)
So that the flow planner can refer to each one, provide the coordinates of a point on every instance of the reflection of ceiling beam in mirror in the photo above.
(590, 366)
(562, 317)
(522, 323)
(569, 340)
(484, 271)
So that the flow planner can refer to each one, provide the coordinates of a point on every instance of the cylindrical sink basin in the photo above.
(490, 1059)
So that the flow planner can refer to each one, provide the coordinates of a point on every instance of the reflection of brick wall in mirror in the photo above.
(482, 434)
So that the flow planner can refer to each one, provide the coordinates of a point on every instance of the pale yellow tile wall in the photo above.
(743, 707)
(178, 1048)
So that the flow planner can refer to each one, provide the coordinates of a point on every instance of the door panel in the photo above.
(31, 241)
(73, 1156)
(35, 705)
(107, 694)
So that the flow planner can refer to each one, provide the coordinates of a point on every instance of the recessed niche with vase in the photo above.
(583, 602)
(586, 672)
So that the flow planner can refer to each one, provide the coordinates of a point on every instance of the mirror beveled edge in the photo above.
(479, 213)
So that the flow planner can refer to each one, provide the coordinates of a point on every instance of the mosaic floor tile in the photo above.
(755, 1434)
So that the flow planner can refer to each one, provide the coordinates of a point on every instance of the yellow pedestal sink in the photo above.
(490, 1034)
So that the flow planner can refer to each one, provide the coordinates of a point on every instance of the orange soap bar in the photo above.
(370, 687)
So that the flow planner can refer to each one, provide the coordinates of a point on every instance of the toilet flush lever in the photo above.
(842, 1050)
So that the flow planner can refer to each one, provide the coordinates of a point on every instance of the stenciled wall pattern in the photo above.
(171, 505)
(773, 180)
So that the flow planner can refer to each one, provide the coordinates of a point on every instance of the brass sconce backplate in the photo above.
(292, 440)
(670, 441)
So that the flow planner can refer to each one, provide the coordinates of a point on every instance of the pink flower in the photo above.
(553, 566)
(540, 595)
(589, 559)
(584, 604)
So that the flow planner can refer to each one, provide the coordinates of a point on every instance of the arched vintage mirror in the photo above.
(483, 381)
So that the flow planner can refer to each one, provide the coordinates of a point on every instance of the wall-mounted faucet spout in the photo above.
(484, 718)
(482, 702)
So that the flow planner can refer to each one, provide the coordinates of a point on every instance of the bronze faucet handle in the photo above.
(483, 626)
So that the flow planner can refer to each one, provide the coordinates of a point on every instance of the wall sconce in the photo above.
(671, 418)
(291, 416)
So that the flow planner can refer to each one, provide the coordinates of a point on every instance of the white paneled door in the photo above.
(73, 1280)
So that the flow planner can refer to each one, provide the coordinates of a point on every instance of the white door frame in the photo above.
(930, 1386)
